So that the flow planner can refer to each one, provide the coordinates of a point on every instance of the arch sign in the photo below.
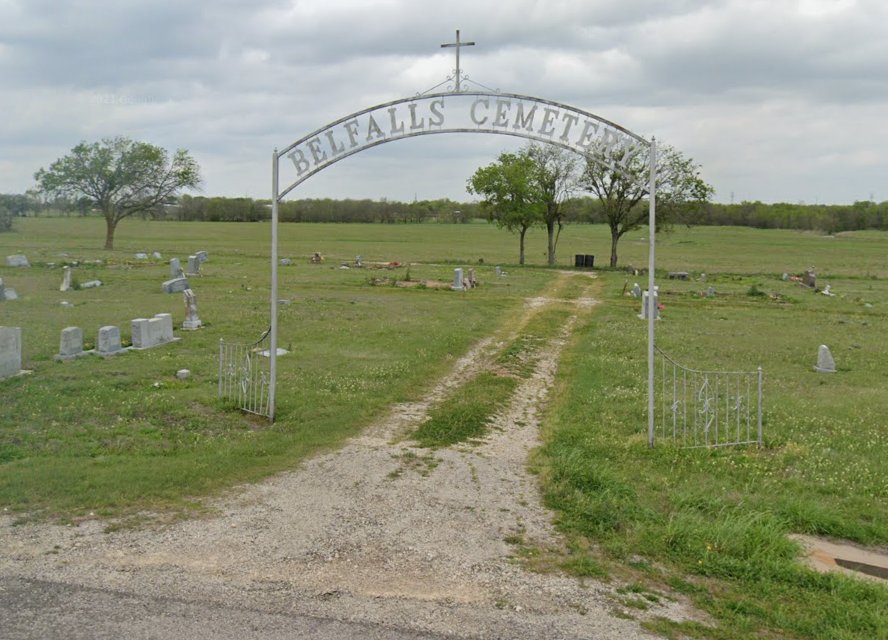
(458, 111)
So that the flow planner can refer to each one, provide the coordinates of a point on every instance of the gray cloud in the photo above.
(777, 100)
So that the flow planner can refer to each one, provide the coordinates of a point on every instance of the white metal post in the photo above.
(652, 309)
(272, 351)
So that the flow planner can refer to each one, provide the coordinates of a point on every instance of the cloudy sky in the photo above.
(777, 100)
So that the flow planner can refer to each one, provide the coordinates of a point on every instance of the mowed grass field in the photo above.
(122, 437)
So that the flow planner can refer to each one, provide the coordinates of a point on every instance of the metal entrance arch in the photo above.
(487, 112)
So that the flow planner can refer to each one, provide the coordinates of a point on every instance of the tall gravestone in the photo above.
(457, 280)
(10, 351)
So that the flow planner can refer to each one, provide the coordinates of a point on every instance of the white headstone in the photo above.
(193, 266)
(10, 351)
(192, 320)
(825, 362)
(175, 285)
(70, 343)
(457, 280)
(17, 261)
(140, 335)
(66, 278)
(108, 342)
(165, 324)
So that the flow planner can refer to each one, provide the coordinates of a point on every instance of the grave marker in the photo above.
(10, 351)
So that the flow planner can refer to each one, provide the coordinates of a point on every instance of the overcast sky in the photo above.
(777, 100)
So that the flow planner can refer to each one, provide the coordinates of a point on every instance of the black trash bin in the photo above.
(588, 261)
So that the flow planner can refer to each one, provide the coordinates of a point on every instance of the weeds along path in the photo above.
(379, 532)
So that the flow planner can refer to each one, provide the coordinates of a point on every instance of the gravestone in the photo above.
(108, 342)
(644, 304)
(202, 256)
(175, 285)
(66, 279)
(10, 351)
(141, 339)
(457, 280)
(825, 362)
(193, 266)
(70, 343)
(175, 268)
(810, 279)
(17, 261)
(192, 321)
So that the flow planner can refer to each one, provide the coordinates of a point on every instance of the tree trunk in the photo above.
(110, 225)
(521, 245)
(615, 237)
(550, 229)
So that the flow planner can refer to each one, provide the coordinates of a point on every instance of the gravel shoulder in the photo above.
(378, 532)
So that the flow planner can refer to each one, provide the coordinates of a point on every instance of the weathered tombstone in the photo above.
(644, 304)
(156, 255)
(10, 351)
(175, 285)
(457, 280)
(108, 342)
(66, 279)
(70, 343)
(141, 337)
(810, 278)
(91, 284)
(175, 268)
(193, 266)
(141, 256)
(202, 256)
(825, 362)
(17, 261)
(164, 327)
(192, 321)
(636, 290)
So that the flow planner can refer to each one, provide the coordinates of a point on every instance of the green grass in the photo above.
(716, 520)
(122, 436)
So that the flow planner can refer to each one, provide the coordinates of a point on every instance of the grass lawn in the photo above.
(123, 436)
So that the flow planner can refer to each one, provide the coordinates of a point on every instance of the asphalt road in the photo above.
(37, 609)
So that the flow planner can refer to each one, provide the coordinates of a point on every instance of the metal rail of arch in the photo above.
(489, 112)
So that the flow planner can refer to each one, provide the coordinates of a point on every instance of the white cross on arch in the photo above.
(457, 44)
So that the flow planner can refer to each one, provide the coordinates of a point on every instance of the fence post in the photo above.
(759, 406)
(221, 363)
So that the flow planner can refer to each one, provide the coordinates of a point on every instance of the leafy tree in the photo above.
(120, 177)
(512, 198)
(554, 176)
(618, 176)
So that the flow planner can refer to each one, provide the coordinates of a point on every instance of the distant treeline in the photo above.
(828, 218)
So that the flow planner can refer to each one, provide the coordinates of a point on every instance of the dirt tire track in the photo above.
(378, 531)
